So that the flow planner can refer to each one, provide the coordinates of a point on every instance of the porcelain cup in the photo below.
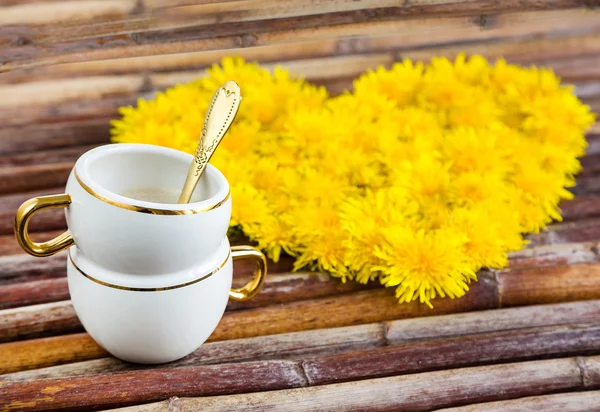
(129, 235)
(157, 318)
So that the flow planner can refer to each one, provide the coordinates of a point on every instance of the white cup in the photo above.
(129, 235)
(157, 318)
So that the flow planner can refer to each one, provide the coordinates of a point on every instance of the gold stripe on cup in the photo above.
(182, 285)
(149, 210)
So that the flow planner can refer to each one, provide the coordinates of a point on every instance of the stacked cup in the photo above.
(149, 280)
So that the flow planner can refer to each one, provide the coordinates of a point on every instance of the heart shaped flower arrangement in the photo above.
(418, 178)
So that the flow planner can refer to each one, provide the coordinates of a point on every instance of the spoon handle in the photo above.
(219, 116)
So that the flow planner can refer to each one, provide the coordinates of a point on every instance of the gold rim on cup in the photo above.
(246, 292)
(153, 211)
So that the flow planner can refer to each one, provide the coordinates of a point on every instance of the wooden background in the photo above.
(524, 337)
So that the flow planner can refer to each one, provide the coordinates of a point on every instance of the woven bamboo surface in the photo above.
(524, 338)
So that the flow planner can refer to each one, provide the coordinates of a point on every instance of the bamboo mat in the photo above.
(524, 338)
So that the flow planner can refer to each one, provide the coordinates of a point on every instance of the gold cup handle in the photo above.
(26, 211)
(250, 289)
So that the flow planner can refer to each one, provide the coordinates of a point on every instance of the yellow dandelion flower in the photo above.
(409, 123)
(305, 130)
(242, 137)
(308, 184)
(250, 205)
(425, 264)
(474, 70)
(475, 150)
(485, 245)
(418, 178)
(382, 82)
(399, 153)
(425, 177)
(273, 234)
(471, 188)
(540, 193)
(266, 175)
(322, 236)
(363, 217)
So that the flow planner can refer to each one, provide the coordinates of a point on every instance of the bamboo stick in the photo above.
(186, 60)
(591, 371)
(472, 323)
(33, 137)
(43, 352)
(341, 340)
(284, 346)
(34, 177)
(149, 385)
(587, 89)
(36, 320)
(160, 4)
(587, 206)
(565, 402)
(61, 155)
(22, 267)
(50, 92)
(152, 384)
(291, 287)
(580, 69)
(347, 66)
(416, 33)
(253, 10)
(548, 285)
(63, 11)
(455, 352)
(69, 111)
(554, 255)
(296, 8)
(590, 164)
(33, 293)
(294, 13)
(594, 106)
(586, 184)
(15, 2)
(518, 50)
(569, 232)
(411, 392)
(522, 51)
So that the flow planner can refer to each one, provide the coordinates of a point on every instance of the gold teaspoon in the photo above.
(219, 116)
